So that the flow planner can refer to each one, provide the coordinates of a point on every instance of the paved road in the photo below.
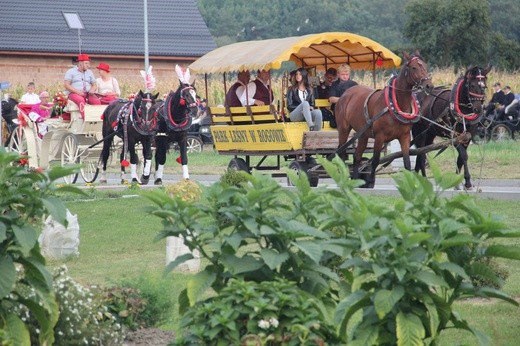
(486, 188)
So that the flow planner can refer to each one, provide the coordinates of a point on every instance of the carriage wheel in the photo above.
(238, 164)
(300, 167)
(70, 156)
(18, 142)
(89, 171)
(194, 144)
(501, 132)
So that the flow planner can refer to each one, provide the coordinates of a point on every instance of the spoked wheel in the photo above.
(70, 156)
(194, 144)
(89, 171)
(302, 167)
(501, 132)
(18, 142)
(238, 164)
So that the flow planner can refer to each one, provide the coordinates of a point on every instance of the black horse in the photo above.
(448, 113)
(135, 122)
(174, 119)
(10, 115)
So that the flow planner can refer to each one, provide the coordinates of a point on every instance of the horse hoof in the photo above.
(134, 180)
(158, 181)
(145, 180)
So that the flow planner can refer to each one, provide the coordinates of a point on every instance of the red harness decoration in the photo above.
(186, 119)
(391, 103)
(455, 105)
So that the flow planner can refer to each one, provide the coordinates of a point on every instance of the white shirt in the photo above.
(29, 98)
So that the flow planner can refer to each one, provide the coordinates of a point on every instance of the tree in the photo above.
(449, 32)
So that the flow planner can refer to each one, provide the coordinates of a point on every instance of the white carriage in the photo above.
(69, 142)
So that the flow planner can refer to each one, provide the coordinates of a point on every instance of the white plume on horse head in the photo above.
(149, 79)
(184, 76)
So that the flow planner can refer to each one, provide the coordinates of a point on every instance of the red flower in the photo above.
(23, 162)
(125, 163)
(39, 169)
(179, 160)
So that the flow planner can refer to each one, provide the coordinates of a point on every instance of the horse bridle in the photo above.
(416, 83)
(182, 102)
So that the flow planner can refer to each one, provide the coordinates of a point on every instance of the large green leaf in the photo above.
(17, 330)
(272, 258)
(504, 251)
(454, 269)
(37, 274)
(410, 330)
(47, 318)
(385, 300)
(26, 237)
(198, 285)
(432, 316)
(7, 276)
(431, 279)
(311, 248)
(493, 293)
(238, 265)
(3, 232)
(56, 208)
(177, 261)
(458, 240)
(348, 306)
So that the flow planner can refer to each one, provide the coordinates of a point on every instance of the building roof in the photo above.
(175, 27)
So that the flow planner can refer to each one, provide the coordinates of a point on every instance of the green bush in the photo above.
(233, 177)
(389, 273)
(141, 302)
(25, 196)
(249, 313)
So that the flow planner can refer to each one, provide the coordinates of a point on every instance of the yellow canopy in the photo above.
(329, 49)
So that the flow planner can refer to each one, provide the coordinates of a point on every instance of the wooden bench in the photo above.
(243, 115)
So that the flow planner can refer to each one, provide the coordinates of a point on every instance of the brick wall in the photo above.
(48, 72)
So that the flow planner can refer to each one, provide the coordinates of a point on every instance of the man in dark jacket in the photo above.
(509, 97)
(339, 87)
(497, 99)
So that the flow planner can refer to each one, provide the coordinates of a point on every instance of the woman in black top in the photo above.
(300, 101)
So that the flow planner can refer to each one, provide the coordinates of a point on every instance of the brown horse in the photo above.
(384, 115)
(447, 113)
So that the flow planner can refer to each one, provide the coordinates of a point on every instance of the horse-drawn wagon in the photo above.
(253, 133)
(69, 142)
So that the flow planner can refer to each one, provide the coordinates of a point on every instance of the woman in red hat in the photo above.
(80, 84)
(107, 86)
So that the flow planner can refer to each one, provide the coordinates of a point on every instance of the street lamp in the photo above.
(74, 22)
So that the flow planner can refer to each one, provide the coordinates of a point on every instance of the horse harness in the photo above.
(165, 110)
(391, 105)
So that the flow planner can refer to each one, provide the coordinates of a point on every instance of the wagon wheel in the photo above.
(300, 167)
(18, 142)
(501, 132)
(70, 156)
(237, 164)
(89, 171)
(194, 144)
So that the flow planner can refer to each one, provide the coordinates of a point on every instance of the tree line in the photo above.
(446, 32)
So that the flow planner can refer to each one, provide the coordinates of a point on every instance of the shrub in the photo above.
(140, 303)
(496, 279)
(233, 177)
(249, 313)
(83, 318)
(25, 196)
(401, 266)
(187, 190)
